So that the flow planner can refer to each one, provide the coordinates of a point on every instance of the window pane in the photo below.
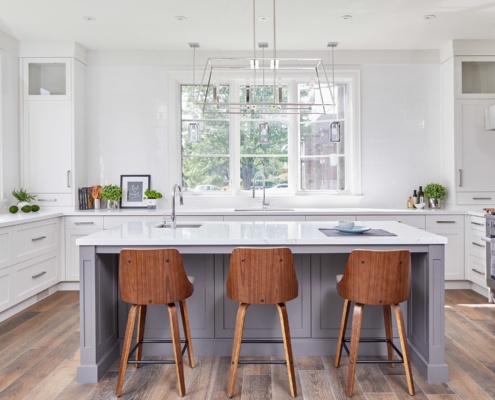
(200, 173)
(322, 146)
(255, 142)
(275, 170)
(205, 163)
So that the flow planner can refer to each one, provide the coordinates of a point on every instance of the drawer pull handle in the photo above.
(38, 238)
(478, 272)
(84, 223)
(445, 222)
(482, 198)
(68, 179)
(477, 244)
(46, 199)
(38, 275)
(478, 223)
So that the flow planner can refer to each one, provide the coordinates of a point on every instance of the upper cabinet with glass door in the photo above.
(475, 77)
(47, 79)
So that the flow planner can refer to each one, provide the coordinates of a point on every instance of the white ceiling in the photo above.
(227, 24)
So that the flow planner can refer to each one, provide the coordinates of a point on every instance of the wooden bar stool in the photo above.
(381, 278)
(262, 276)
(148, 277)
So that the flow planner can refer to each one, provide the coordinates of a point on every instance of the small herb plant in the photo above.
(111, 192)
(435, 191)
(22, 196)
(152, 194)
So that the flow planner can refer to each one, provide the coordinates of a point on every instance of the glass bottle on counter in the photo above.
(415, 197)
(421, 195)
(409, 202)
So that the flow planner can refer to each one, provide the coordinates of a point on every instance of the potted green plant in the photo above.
(112, 194)
(435, 192)
(23, 201)
(151, 197)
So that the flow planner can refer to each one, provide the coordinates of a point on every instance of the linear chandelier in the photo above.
(263, 90)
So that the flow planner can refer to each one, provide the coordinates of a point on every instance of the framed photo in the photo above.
(133, 188)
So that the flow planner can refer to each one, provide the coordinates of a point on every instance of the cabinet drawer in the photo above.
(33, 276)
(35, 238)
(480, 198)
(54, 200)
(93, 223)
(444, 221)
(5, 247)
(477, 246)
(109, 222)
(478, 271)
(326, 218)
(6, 288)
(418, 221)
(477, 224)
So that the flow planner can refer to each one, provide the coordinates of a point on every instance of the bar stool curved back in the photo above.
(382, 278)
(149, 277)
(262, 276)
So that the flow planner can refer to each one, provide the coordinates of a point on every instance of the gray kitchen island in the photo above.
(314, 316)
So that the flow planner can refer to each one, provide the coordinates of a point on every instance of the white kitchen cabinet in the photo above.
(452, 227)
(476, 250)
(418, 221)
(33, 265)
(5, 247)
(468, 88)
(475, 158)
(326, 218)
(75, 228)
(52, 127)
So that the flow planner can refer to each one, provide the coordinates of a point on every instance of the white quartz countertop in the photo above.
(22, 217)
(255, 233)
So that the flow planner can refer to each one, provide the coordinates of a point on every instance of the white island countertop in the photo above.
(255, 233)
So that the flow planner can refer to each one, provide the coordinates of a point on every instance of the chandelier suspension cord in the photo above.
(274, 54)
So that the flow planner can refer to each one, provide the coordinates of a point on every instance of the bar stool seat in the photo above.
(262, 276)
(381, 278)
(149, 277)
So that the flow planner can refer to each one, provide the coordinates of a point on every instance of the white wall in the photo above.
(128, 119)
(10, 150)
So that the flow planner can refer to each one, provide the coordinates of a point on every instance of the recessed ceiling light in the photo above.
(430, 16)
(346, 17)
(180, 18)
(89, 18)
(264, 18)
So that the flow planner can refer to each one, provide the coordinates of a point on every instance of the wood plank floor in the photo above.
(39, 353)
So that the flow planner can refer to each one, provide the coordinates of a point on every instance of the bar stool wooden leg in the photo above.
(236, 347)
(179, 369)
(356, 332)
(131, 319)
(343, 327)
(405, 348)
(187, 331)
(140, 332)
(387, 318)
(284, 324)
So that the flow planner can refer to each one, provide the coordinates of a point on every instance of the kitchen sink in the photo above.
(254, 209)
(178, 226)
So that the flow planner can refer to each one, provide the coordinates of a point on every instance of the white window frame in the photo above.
(352, 150)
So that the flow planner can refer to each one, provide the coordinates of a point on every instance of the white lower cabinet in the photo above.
(476, 250)
(75, 228)
(452, 227)
(29, 260)
(36, 275)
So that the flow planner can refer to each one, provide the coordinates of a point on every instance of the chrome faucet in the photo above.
(262, 175)
(174, 193)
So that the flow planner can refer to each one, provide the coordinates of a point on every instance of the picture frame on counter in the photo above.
(133, 188)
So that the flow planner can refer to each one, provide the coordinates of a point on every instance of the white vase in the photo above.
(151, 203)
(112, 204)
(434, 203)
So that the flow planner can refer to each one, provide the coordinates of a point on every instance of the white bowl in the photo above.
(346, 224)
(419, 206)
